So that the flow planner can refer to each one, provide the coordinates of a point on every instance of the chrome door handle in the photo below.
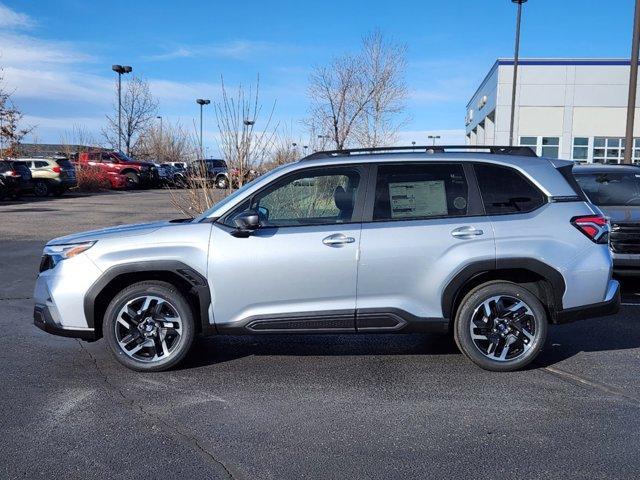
(337, 239)
(466, 232)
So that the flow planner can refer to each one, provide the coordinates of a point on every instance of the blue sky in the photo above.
(57, 54)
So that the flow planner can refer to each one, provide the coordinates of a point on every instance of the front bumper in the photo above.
(610, 306)
(43, 319)
(626, 264)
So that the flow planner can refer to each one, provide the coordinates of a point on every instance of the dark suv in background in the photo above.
(212, 169)
(616, 190)
(15, 179)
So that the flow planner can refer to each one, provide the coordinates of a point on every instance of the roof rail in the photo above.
(494, 149)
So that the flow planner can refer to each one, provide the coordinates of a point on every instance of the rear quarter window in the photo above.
(506, 191)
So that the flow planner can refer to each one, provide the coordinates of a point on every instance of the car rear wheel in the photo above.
(149, 326)
(41, 189)
(500, 326)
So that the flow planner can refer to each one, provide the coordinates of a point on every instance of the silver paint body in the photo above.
(400, 264)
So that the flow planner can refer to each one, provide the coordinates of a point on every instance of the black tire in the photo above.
(527, 334)
(222, 182)
(41, 189)
(133, 179)
(175, 299)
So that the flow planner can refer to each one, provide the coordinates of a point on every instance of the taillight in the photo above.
(12, 173)
(596, 227)
(56, 169)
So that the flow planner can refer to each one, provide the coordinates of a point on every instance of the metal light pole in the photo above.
(161, 139)
(433, 138)
(633, 84)
(201, 102)
(515, 68)
(120, 69)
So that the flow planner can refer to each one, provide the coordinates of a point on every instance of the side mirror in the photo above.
(246, 223)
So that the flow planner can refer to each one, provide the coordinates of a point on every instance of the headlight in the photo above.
(62, 252)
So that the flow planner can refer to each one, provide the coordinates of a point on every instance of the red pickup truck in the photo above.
(138, 174)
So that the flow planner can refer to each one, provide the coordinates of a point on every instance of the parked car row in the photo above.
(43, 176)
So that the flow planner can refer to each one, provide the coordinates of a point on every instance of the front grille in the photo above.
(625, 237)
(46, 263)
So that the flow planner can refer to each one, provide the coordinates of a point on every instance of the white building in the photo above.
(567, 108)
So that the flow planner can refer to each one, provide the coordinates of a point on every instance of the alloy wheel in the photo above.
(148, 328)
(503, 328)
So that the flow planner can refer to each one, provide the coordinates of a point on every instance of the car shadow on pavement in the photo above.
(219, 349)
(618, 332)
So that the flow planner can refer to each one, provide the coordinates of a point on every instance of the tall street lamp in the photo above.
(433, 138)
(120, 69)
(515, 68)
(201, 102)
(633, 84)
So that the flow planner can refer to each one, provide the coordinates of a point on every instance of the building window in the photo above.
(580, 148)
(543, 146)
(550, 147)
(608, 149)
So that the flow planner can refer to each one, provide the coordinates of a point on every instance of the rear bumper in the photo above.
(609, 306)
(43, 319)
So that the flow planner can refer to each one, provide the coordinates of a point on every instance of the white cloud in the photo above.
(16, 49)
(11, 19)
(237, 49)
(49, 84)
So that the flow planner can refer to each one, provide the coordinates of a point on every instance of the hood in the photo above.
(111, 232)
(622, 213)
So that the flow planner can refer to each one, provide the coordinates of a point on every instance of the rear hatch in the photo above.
(67, 170)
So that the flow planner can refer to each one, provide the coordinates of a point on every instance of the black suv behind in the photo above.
(615, 189)
(15, 179)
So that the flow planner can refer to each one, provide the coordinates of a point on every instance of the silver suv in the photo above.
(491, 245)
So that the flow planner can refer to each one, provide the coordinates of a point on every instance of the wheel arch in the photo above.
(536, 276)
(188, 281)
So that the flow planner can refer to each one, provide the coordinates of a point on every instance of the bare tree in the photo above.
(384, 63)
(171, 144)
(243, 140)
(356, 97)
(76, 140)
(139, 109)
(11, 129)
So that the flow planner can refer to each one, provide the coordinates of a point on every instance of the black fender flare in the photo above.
(473, 270)
(197, 281)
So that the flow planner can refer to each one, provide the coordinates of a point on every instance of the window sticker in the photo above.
(418, 199)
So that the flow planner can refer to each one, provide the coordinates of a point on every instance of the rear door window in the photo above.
(418, 191)
(505, 190)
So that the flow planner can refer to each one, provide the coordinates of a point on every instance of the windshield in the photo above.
(216, 163)
(123, 157)
(229, 200)
(611, 188)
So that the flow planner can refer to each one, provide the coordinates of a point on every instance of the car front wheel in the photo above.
(500, 326)
(149, 326)
(222, 182)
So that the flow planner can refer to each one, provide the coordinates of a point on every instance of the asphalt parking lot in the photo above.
(360, 406)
